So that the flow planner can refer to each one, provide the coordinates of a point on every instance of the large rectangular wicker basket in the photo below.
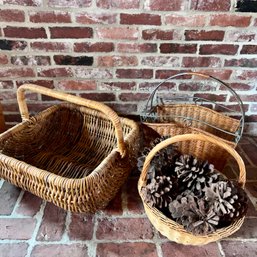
(76, 155)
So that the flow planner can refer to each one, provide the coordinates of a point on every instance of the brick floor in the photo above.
(30, 227)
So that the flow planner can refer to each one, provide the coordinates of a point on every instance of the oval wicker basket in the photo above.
(73, 155)
(171, 229)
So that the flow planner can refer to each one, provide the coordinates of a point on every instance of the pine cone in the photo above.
(195, 214)
(229, 201)
(158, 192)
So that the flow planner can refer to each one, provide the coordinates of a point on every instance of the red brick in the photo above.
(178, 48)
(185, 20)
(29, 205)
(8, 197)
(53, 224)
(17, 229)
(71, 32)
(134, 202)
(212, 35)
(6, 84)
(118, 4)
(115, 206)
(241, 35)
(76, 85)
(247, 230)
(55, 72)
(7, 95)
(69, 3)
(81, 227)
(163, 74)
(252, 188)
(75, 250)
(217, 73)
(50, 17)
(179, 250)
(94, 47)
(134, 73)
(136, 48)
(131, 97)
(126, 249)
(31, 60)
(24, 32)
(246, 98)
(201, 62)
(16, 45)
(242, 62)
(117, 86)
(249, 49)
(16, 72)
(50, 46)
(101, 97)
(212, 97)
(158, 61)
(150, 86)
(44, 83)
(10, 15)
(141, 18)
(239, 248)
(13, 118)
(123, 108)
(246, 74)
(117, 33)
(124, 229)
(166, 5)
(195, 86)
(14, 249)
(157, 34)
(3, 59)
(225, 20)
(116, 60)
(24, 2)
(93, 73)
(96, 18)
(225, 49)
(73, 60)
(209, 5)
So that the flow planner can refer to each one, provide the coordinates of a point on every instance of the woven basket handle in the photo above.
(75, 100)
(186, 137)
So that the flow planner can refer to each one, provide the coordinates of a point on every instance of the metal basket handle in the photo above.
(149, 103)
(75, 100)
(187, 137)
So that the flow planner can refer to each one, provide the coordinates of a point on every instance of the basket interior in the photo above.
(66, 140)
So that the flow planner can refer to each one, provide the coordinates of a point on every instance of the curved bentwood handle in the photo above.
(149, 104)
(75, 100)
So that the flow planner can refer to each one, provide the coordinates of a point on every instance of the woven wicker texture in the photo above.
(74, 156)
(170, 228)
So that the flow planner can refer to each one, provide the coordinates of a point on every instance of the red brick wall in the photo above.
(116, 50)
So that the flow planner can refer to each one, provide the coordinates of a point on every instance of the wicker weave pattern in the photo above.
(166, 226)
(170, 113)
(68, 155)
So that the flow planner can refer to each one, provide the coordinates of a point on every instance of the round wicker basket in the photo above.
(171, 229)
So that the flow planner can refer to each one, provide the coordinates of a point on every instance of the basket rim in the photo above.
(37, 172)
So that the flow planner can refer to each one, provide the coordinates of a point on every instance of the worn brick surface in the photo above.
(126, 249)
(75, 250)
(81, 227)
(179, 250)
(17, 229)
(53, 224)
(13, 249)
(239, 249)
(8, 197)
(124, 228)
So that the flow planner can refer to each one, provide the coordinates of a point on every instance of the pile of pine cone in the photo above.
(191, 191)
